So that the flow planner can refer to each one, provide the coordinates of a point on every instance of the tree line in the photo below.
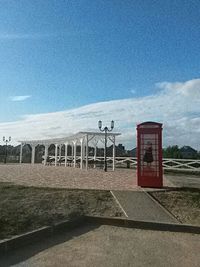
(13, 153)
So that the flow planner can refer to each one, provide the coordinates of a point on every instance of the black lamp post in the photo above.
(6, 141)
(106, 130)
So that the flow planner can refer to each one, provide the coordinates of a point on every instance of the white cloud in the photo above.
(189, 88)
(177, 106)
(19, 97)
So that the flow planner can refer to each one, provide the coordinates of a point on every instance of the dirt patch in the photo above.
(24, 208)
(183, 203)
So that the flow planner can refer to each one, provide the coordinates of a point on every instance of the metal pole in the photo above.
(105, 129)
(6, 147)
(5, 153)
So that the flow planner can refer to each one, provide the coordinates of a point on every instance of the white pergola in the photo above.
(81, 138)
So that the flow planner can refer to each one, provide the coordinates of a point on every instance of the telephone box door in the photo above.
(149, 154)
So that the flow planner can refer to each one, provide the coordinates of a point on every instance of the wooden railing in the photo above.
(189, 165)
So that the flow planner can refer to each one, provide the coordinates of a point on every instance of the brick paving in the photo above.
(68, 177)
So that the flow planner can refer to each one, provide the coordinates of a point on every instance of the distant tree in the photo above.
(172, 152)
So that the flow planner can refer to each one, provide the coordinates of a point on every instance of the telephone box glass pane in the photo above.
(149, 155)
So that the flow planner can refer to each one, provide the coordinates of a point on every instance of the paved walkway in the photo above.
(111, 246)
(140, 206)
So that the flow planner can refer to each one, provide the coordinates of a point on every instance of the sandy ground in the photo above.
(111, 246)
(68, 177)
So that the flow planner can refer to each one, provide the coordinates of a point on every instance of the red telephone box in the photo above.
(149, 154)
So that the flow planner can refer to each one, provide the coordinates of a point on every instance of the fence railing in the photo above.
(189, 165)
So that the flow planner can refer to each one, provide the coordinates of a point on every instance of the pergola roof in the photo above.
(70, 139)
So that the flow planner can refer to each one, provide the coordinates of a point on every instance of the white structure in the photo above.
(82, 139)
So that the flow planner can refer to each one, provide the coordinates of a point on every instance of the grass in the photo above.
(24, 209)
(183, 203)
(179, 171)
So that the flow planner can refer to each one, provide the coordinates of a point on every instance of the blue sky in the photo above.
(61, 55)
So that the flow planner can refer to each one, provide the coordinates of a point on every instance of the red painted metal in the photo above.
(149, 154)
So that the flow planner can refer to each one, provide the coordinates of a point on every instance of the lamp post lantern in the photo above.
(106, 130)
(6, 141)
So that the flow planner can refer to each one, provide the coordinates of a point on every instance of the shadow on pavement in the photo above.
(24, 253)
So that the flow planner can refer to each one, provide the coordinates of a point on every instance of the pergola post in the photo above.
(82, 149)
(45, 154)
(33, 154)
(72, 146)
(66, 147)
(74, 154)
(87, 152)
(95, 154)
(20, 155)
(113, 153)
(60, 151)
(56, 153)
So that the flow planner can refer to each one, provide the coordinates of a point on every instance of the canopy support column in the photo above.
(66, 147)
(87, 152)
(56, 153)
(33, 154)
(82, 148)
(113, 153)
(74, 154)
(45, 154)
(72, 151)
(60, 151)
(20, 156)
(95, 152)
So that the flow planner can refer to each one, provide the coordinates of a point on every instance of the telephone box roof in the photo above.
(149, 123)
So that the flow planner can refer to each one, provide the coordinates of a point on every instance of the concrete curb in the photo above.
(36, 235)
(147, 225)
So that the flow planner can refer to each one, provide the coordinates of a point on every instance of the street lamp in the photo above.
(6, 141)
(106, 130)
